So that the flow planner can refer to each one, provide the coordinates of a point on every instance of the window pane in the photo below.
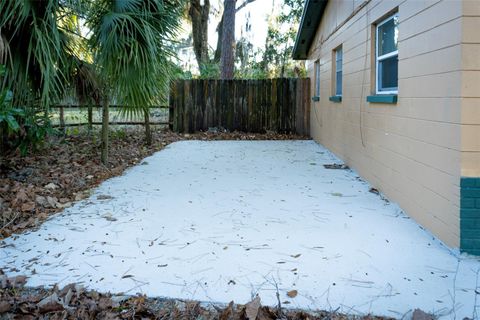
(388, 36)
(339, 59)
(388, 74)
(338, 84)
(317, 79)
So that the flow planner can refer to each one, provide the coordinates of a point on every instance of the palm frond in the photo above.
(31, 30)
(130, 41)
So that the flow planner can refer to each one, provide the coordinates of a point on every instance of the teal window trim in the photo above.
(335, 98)
(315, 98)
(383, 98)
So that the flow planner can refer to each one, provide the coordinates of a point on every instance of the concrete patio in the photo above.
(226, 220)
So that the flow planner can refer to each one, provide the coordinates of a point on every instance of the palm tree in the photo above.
(129, 40)
(33, 51)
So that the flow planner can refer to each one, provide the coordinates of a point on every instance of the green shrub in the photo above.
(22, 128)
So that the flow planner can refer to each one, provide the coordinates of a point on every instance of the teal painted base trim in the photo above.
(335, 98)
(316, 98)
(383, 98)
(470, 215)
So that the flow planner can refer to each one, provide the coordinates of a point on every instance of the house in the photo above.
(396, 95)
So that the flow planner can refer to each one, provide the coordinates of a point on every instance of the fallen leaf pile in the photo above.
(35, 186)
(74, 302)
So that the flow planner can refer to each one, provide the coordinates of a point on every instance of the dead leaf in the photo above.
(227, 313)
(292, 293)
(18, 281)
(52, 202)
(67, 298)
(104, 197)
(21, 196)
(80, 196)
(50, 304)
(28, 206)
(251, 308)
(105, 303)
(4, 306)
(108, 217)
(64, 205)
(46, 202)
(51, 186)
(421, 315)
(41, 200)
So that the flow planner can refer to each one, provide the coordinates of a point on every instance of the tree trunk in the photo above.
(227, 58)
(284, 60)
(199, 18)
(104, 148)
(62, 120)
(218, 50)
(3, 142)
(90, 118)
(148, 132)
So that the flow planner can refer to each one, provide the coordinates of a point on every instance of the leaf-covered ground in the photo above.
(74, 302)
(35, 186)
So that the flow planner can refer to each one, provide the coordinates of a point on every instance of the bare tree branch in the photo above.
(243, 5)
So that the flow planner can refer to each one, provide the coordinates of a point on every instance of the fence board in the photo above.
(279, 105)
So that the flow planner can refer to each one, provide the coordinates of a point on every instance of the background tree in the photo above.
(282, 30)
(227, 58)
(200, 13)
(199, 16)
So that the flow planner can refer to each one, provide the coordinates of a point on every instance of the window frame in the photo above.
(336, 71)
(383, 57)
(317, 78)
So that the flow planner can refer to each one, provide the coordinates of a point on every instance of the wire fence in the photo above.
(64, 116)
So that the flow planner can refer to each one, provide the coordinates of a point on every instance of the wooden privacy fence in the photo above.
(281, 105)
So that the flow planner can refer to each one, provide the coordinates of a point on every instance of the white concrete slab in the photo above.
(221, 221)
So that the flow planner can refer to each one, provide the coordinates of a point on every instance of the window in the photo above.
(387, 56)
(338, 53)
(317, 80)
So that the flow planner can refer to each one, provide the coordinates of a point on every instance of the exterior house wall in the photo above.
(471, 89)
(417, 150)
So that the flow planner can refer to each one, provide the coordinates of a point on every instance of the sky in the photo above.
(258, 11)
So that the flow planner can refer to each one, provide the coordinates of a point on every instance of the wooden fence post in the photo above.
(62, 119)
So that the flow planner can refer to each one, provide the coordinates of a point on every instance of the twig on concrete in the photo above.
(476, 292)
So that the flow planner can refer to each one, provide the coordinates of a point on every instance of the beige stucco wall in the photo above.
(416, 150)
(471, 89)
